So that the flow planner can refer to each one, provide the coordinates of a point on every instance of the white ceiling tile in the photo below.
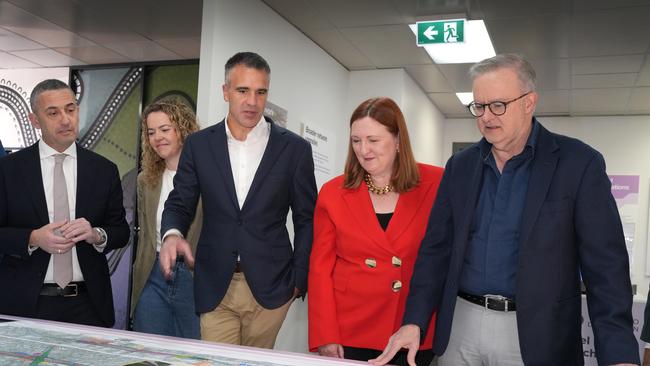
(48, 58)
(640, 100)
(502, 9)
(418, 10)
(93, 55)
(430, 78)
(9, 61)
(341, 49)
(172, 18)
(552, 102)
(618, 31)
(552, 73)
(358, 13)
(449, 105)
(51, 36)
(387, 46)
(594, 81)
(187, 47)
(37, 29)
(600, 100)
(456, 75)
(606, 64)
(83, 18)
(143, 51)
(10, 41)
(301, 14)
(587, 5)
(644, 75)
(535, 37)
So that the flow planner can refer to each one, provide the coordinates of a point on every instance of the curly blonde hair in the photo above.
(184, 121)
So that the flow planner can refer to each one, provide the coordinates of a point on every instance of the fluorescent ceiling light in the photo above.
(477, 46)
(465, 98)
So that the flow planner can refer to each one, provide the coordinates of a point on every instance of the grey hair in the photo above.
(249, 59)
(42, 87)
(523, 68)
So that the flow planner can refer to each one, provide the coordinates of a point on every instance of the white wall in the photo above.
(424, 121)
(623, 141)
(313, 87)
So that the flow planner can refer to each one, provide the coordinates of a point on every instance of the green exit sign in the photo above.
(445, 31)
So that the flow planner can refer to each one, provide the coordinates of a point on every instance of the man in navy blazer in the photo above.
(519, 217)
(248, 172)
(31, 237)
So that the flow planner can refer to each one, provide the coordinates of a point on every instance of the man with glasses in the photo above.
(519, 218)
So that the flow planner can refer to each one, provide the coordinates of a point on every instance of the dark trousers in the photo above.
(422, 358)
(75, 309)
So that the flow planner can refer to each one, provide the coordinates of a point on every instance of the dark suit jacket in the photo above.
(570, 225)
(23, 208)
(645, 331)
(257, 231)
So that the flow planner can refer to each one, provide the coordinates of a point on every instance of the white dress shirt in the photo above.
(46, 154)
(70, 172)
(167, 185)
(245, 157)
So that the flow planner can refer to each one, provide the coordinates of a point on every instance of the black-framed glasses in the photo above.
(497, 107)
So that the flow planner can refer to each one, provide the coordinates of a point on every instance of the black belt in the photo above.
(492, 302)
(72, 289)
(237, 267)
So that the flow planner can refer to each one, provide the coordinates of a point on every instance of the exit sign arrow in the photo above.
(430, 32)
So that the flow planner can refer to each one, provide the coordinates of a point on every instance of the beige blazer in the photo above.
(146, 253)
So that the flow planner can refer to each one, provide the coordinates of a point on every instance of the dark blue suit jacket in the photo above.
(257, 232)
(23, 208)
(570, 225)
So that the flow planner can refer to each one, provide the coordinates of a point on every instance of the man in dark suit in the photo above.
(60, 212)
(249, 172)
(519, 217)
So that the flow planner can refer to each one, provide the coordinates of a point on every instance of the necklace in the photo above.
(374, 189)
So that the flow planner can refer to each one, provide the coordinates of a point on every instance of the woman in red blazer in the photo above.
(368, 225)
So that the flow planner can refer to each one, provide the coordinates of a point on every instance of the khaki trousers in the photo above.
(482, 337)
(240, 320)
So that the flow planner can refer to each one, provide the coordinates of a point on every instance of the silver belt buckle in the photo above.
(489, 297)
(76, 290)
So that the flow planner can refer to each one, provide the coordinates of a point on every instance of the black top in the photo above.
(384, 219)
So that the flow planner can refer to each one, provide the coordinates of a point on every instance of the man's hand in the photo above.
(49, 239)
(331, 350)
(80, 230)
(408, 336)
(172, 247)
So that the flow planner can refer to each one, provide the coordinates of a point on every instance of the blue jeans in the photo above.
(166, 307)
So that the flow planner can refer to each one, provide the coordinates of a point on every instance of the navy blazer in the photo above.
(23, 208)
(570, 225)
(257, 232)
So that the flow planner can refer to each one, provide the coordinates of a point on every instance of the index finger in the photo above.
(410, 356)
(388, 354)
(167, 257)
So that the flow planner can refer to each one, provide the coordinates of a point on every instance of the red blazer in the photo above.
(354, 299)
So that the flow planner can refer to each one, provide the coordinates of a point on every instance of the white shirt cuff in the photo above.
(172, 232)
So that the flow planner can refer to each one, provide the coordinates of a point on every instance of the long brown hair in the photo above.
(184, 122)
(405, 170)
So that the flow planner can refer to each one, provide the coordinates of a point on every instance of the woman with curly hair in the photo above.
(158, 305)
